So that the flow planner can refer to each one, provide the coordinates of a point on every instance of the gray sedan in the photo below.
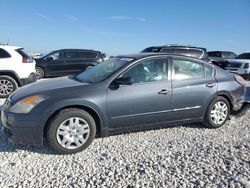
(123, 94)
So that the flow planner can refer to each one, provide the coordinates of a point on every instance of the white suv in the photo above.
(240, 65)
(16, 69)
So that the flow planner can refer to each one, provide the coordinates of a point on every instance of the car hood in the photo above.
(42, 86)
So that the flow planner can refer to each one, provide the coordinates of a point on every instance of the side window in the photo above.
(208, 71)
(166, 50)
(214, 54)
(55, 56)
(4, 54)
(149, 71)
(72, 54)
(88, 55)
(81, 55)
(185, 69)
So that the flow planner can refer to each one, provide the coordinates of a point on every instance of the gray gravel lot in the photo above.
(182, 156)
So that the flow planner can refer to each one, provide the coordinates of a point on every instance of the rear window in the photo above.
(81, 55)
(151, 49)
(234, 65)
(182, 51)
(244, 56)
(4, 54)
(22, 53)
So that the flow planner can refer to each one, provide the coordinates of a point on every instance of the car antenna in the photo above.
(8, 42)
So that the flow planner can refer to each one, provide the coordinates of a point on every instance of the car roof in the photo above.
(178, 46)
(89, 50)
(11, 47)
(145, 55)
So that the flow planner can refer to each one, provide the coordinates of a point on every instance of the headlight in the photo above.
(27, 104)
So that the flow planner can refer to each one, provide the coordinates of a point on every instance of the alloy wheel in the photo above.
(6, 87)
(39, 73)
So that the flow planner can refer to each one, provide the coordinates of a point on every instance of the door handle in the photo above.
(163, 92)
(210, 85)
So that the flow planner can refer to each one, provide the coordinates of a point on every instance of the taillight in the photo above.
(27, 60)
(240, 80)
(246, 66)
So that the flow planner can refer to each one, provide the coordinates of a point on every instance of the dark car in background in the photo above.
(186, 50)
(240, 65)
(123, 94)
(219, 57)
(67, 62)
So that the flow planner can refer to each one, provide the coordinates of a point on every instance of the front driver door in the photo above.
(147, 100)
(55, 64)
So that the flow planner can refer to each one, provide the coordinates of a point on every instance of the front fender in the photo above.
(55, 107)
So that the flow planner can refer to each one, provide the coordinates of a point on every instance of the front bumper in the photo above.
(33, 77)
(21, 129)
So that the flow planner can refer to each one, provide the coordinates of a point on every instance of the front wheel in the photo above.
(217, 113)
(71, 131)
(40, 72)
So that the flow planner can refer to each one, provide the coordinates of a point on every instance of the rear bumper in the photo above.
(33, 77)
(244, 106)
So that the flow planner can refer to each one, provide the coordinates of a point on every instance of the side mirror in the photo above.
(123, 81)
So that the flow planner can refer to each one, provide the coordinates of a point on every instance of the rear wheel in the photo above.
(7, 86)
(71, 131)
(40, 72)
(217, 113)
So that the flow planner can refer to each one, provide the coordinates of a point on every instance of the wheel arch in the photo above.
(11, 74)
(91, 111)
(228, 98)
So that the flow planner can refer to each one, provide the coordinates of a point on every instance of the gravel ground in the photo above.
(182, 156)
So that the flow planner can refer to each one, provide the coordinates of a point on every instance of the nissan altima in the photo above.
(123, 94)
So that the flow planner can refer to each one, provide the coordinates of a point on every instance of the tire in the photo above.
(217, 116)
(71, 124)
(40, 72)
(7, 86)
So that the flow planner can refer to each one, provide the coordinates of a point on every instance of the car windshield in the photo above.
(102, 70)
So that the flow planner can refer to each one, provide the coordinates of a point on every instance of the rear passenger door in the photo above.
(193, 84)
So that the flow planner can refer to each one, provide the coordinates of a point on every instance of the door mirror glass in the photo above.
(124, 81)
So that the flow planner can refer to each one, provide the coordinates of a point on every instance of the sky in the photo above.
(125, 26)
